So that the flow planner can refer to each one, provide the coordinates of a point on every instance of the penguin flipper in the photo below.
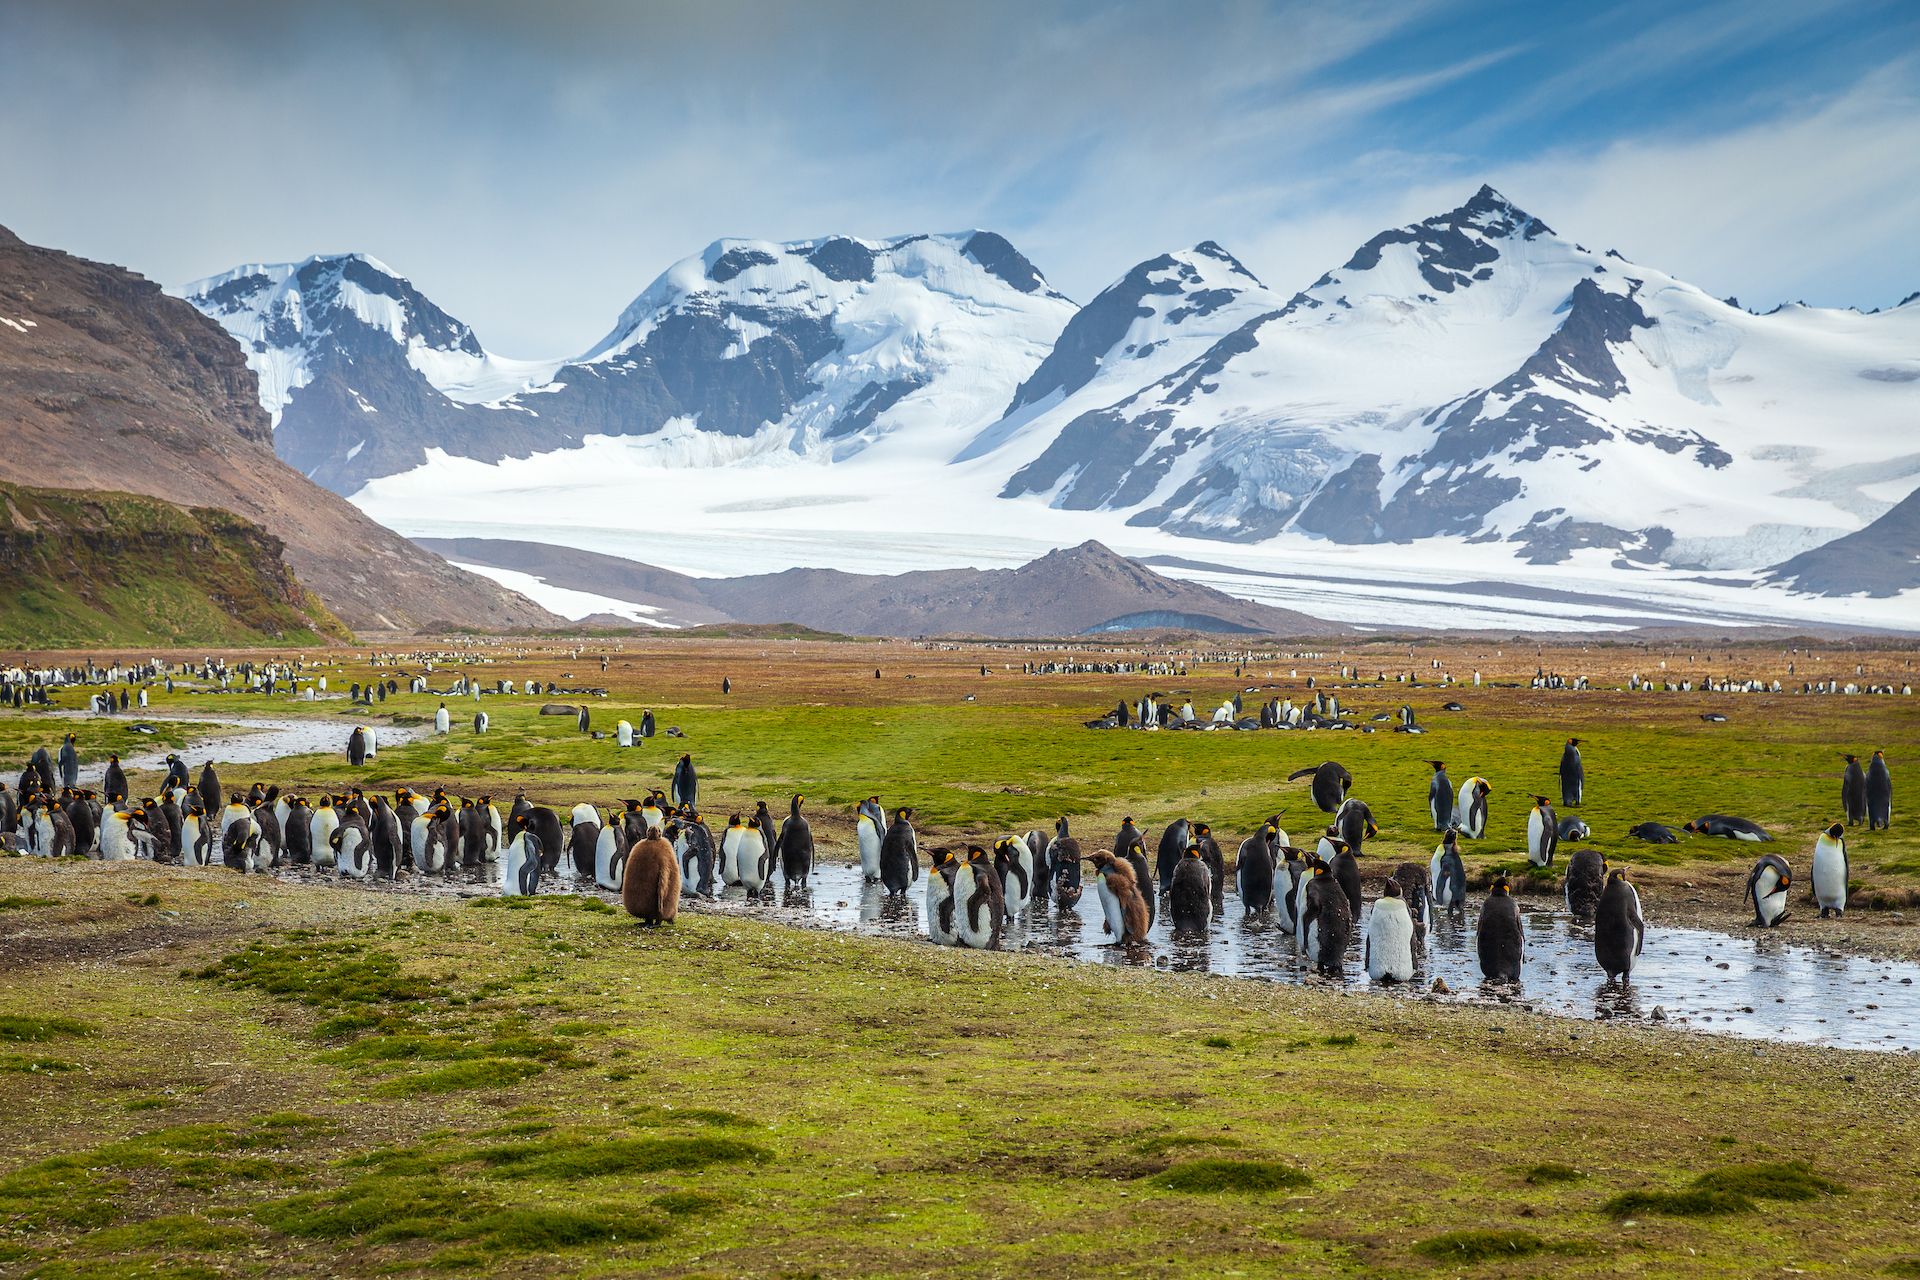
(1298, 774)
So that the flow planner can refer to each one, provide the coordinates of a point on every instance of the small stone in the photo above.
(1659, 1013)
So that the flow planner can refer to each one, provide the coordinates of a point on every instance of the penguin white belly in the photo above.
(609, 869)
(370, 751)
(280, 811)
(1463, 811)
(1018, 883)
(190, 840)
(1829, 875)
(1300, 940)
(262, 855)
(355, 860)
(975, 934)
(1769, 896)
(1440, 891)
(1537, 839)
(623, 733)
(493, 822)
(116, 842)
(750, 860)
(730, 856)
(1325, 850)
(939, 895)
(1753, 836)
(869, 841)
(1283, 896)
(1389, 941)
(1110, 908)
(322, 826)
(442, 722)
(417, 841)
(513, 866)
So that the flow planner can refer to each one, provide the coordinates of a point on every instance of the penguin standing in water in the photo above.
(685, 788)
(1418, 895)
(753, 857)
(1173, 847)
(796, 846)
(1831, 871)
(1123, 907)
(1388, 946)
(610, 851)
(520, 869)
(357, 746)
(1767, 886)
(1440, 797)
(1344, 870)
(1330, 784)
(1064, 856)
(1501, 942)
(899, 855)
(650, 889)
(1216, 864)
(583, 840)
(1879, 793)
(1471, 816)
(940, 876)
(1037, 845)
(69, 765)
(1254, 872)
(868, 833)
(694, 847)
(1853, 792)
(730, 850)
(1289, 870)
(1619, 934)
(1573, 775)
(980, 910)
(1013, 863)
(1190, 895)
(115, 783)
(1543, 833)
(1135, 856)
(1326, 924)
(1586, 881)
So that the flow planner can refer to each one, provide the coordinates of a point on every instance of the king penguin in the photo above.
(1767, 886)
(1573, 775)
(1619, 934)
(1326, 924)
(1190, 895)
(1586, 881)
(1543, 833)
(1388, 949)
(867, 837)
(899, 855)
(1013, 863)
(1853, 792)
(1831, 871)
(940, 875)
(1123, 906)
(1440, 797)
(1330, 784)
(1472, 814)
(1501, 942)
(1879, 793)
(979, 909)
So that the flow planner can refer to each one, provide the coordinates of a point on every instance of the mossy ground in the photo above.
(273, 1078)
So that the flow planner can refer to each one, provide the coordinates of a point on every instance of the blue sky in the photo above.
(533, 167)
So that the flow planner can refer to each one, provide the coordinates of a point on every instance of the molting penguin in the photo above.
(1064, 856)
(1388, 948)
(796, 846)
(1543, 833)
(1135, 856)
(1190, 894)
(899, 854)
(1013, 863)
(1501, 943)
(1586, 881)
(1573, 775)
(650, 890)
(1831, 871)
(1767, 886)
(1330, 783)
(1123, 907)
(1619, 934)
(980, 910)
(1418, 895)
(1440, 797)
(940, 877)
(1730, 828)
(1326, 923)
(1471, 815)
(1853, 792)
(1879, 793)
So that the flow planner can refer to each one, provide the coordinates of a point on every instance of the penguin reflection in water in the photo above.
(1121, 902)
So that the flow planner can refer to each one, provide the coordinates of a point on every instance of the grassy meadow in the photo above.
(205, 1074)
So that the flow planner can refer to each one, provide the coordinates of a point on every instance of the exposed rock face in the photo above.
(1882, 559)
(108, 383)
(1067, 592)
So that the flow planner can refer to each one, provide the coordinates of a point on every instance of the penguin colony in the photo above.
(654, 849)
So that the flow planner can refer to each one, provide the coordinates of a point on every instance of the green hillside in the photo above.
(95, 568)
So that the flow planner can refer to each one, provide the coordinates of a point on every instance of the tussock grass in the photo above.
(1732, 1189)
(1214, 1175)
(1479, 1245)
(28, 1029)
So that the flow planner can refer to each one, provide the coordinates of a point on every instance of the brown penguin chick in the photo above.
(651, 890)
(1120, 898)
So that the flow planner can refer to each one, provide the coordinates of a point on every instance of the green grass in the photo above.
(1215, 1174)
(1734, 1189)
(15, 902)
(25, 1028)
(1479, 1245)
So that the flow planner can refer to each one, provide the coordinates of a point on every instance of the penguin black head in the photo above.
(1499, 888)
(1339, 846)
(976, 854)
(1439, 766)
(1391, 889)
(1193, 851)
(1202, 829)
(1617, 877)
(1539, 800)
(1574, 742)
(1852, 759)
(1836, 831)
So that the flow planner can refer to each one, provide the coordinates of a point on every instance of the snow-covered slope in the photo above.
(1477, 375)
(821, 347)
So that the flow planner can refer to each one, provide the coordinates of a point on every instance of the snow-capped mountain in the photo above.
(1475, 374)
(821, 347)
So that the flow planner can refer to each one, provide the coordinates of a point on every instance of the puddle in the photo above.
(258, 740)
